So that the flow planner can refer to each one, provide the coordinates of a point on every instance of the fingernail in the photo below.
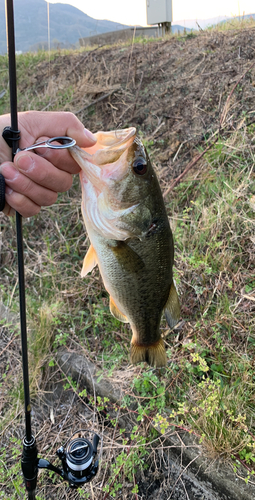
(8, 190)
(89, 135)
(24, 163)
(9, 171)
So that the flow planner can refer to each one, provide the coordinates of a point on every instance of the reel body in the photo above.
(77, 456)
(78, 460)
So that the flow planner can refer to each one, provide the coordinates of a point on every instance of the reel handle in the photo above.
(95, 443)
(45, 464)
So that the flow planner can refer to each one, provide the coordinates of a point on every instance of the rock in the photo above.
(80, 368)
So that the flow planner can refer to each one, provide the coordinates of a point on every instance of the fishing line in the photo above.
(130, 59)
(48, 17)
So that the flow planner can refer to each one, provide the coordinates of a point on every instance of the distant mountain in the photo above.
(205, 23)
(177, 27)
(67, 25)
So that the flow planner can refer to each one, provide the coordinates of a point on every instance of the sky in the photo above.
(133, 12)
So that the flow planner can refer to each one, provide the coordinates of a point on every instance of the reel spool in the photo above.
(78, 460)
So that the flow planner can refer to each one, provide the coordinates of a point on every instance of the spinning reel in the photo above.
(77, 456)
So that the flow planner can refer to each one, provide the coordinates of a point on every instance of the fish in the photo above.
(130, 238)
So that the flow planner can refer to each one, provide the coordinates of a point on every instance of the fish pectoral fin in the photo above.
(90, 261)
(172, 307)
(116, 312)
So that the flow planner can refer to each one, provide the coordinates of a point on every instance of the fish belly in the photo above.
(138, 276)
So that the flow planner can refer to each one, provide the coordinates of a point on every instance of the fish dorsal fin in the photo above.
(116, 312)
(172, 307)
(90, 261)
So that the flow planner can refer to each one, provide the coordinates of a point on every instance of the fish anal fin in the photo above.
(116, 312)
(172, 307)
(153, 354)
(90, 261)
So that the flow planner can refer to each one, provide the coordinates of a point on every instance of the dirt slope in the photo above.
(174, 91)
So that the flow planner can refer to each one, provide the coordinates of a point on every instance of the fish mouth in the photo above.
(114, 140)
(107, 159)
(108, 148)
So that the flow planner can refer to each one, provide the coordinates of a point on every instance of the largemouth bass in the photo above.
(131, 239)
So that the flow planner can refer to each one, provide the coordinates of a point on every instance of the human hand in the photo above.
(34, 179)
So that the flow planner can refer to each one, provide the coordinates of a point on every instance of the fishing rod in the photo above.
(78, 454)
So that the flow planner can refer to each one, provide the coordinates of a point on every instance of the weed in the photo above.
(208, 384)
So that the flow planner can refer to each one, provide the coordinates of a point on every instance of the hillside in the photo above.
(192, 100)
(174, 91)
(67, 25)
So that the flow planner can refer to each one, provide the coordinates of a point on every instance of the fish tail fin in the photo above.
(153, 354)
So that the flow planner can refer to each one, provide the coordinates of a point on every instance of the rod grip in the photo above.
(29, 465)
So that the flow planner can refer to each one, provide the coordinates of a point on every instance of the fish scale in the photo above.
(131, 239)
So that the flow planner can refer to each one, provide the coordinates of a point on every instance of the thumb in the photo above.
(36, 124)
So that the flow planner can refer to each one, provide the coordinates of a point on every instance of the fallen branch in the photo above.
(137, 95)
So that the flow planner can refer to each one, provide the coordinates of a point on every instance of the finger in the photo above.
(18, 183)
(41, 171)
(5, 150)
(8, 210)
(19, 203)
(51, 123)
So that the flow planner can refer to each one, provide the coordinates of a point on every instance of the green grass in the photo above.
(215, 266)
(208, 387)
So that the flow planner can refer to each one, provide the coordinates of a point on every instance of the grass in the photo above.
(215, 268)
(235, 23)
(208, 387)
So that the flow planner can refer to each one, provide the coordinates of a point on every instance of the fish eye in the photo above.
(140, 166)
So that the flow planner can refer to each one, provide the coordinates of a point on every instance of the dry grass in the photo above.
(176, 94)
